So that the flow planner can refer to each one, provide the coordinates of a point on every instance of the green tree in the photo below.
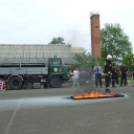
(115, 42)
(58, 40)
(101, 61)
(129, 60)
(85, 59)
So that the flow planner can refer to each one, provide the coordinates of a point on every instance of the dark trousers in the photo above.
(107, 81)
(98, 78)
(123, 77)
(117, 79)
(113, 79)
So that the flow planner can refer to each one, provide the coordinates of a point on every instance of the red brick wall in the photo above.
(95, 36)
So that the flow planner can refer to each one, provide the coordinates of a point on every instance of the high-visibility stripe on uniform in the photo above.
(107, 74)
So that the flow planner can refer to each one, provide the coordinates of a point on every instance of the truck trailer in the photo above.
(16, 72)
(35, 64)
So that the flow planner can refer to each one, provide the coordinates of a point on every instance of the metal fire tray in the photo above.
(117, 95)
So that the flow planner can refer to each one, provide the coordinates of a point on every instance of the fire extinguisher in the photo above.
(126, 82)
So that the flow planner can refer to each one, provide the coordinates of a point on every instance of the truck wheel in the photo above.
(15, 83)
(55, 82)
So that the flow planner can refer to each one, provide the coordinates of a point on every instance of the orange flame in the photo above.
(93, 94)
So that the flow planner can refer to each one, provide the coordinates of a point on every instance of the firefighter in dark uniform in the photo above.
(124, 71)
(113, 75)
(117, 75)
(107, 72)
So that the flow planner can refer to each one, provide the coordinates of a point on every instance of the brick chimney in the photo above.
(95, 34)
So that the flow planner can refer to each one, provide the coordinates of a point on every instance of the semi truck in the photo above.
(52, 71)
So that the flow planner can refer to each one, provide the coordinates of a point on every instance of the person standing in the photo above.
(83, 77)
(107, 72)
(124, 71)
(69, 75)
(76, 75)
(114, 72)
(117, 70)
(98, 71)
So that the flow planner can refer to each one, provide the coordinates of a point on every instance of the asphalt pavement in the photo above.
(52, 111)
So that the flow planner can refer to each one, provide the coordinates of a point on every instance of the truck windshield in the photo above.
(55, 61)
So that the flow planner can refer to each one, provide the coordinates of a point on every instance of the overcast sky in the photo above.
(38, 21)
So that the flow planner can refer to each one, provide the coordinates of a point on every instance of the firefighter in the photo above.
(114, 72)
(117, 70)
(107, 72)
(124, 71)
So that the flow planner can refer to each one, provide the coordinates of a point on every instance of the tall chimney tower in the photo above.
(95, 34)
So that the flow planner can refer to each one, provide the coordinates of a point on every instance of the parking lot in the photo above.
(51, 111)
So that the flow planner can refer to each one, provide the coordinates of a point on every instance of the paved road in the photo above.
(51, 111)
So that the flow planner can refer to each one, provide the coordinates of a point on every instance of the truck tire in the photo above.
(15, 83)
(55, 82)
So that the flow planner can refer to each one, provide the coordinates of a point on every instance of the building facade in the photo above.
(77, 50)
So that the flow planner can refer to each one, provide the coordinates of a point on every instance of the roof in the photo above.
(34, 53)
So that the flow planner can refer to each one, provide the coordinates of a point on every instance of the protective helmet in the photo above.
(109, 57)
